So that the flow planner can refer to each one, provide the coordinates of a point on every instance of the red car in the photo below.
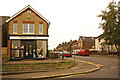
(67, 54)
(84, 52)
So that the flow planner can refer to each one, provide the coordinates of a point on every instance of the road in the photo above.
(109, 68)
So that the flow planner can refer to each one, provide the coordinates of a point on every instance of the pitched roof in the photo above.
(87, 38)
(26, 9)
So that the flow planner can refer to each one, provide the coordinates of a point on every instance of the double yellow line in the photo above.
(89, 62)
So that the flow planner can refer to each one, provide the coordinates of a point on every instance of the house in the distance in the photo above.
(27, 34)
(104, 48)
(86, 42)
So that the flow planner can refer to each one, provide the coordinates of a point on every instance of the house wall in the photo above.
(80, 43)
(88, 44)
(98, 44)
(4, 30)
(0, 40)
(4, 51)
(0, 36)
(99, 47)
(25, 16)
(0, 32)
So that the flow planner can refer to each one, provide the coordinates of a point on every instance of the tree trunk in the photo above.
(118, 49)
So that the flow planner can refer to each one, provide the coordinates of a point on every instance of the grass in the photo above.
(37, 66)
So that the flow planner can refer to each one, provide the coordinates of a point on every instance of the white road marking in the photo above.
(112, 67)
(104, 69)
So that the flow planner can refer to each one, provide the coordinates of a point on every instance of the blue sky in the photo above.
(69, 18)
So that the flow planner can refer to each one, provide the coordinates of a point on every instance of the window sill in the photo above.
(40, 33)
(28, 33)
(14, 33)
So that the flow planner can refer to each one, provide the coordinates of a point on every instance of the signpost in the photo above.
(74, 52)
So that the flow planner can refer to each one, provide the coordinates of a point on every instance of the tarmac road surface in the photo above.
(108, 71)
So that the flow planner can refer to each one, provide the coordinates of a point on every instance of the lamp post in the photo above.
(74, 52)
(63, 53)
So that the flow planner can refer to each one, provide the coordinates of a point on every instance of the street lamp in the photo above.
(63, 53)
(74, 52)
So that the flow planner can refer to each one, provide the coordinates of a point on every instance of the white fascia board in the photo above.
(27, 37)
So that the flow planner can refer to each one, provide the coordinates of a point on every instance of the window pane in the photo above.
(31, 28)
(41, 28)
(15, 28)
(25, 28)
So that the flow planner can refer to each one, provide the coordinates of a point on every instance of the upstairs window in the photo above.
(40, 28)
(28, 28)
(14, 28)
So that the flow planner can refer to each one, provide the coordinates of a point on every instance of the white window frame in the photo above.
(40, 27)
(14, 28)
(28, 25)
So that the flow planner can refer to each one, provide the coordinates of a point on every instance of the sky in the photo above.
(69, 19)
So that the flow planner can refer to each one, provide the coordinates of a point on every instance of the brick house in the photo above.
(27, 34)
(74, 45)
(86, 42)
(67, 46)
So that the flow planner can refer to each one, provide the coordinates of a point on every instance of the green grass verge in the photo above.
(37, 66)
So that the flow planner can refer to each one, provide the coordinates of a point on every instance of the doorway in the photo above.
(29, 47)
(28, 52)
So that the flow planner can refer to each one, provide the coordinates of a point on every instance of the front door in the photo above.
(28, 53)
(29, 48)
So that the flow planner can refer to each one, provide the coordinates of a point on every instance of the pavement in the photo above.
(82, 67)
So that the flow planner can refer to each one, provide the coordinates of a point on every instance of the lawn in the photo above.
(33, 67)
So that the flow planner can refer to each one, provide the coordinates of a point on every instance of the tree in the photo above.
(110, 24)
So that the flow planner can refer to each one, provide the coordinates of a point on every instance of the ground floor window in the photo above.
(15, 52)
(41, 48)
(28, 49)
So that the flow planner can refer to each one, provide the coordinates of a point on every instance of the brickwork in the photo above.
(88, 44)
(9, 49)
(0, 36)
(4, 51)
(4, 30)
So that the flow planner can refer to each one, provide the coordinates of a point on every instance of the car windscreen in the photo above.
(87, 50)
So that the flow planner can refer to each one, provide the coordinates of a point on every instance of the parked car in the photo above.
(75, 52)
(113, 53)
(67, 54)
(84, 52)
